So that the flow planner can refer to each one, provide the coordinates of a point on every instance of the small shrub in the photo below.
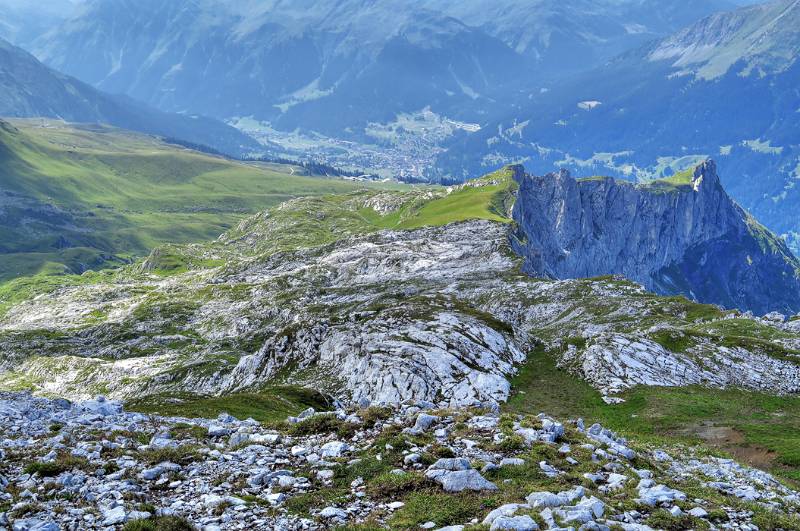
(531, 422)
(367, 468)
(662, 519)
(187, 431)
(61, 464)
(323, 423)
(110, 467)
(46, 470)
(389, 485)
(510, 443)
(440, 451)
(302, 504)
(545, 452)
(146, 507)
(768, 520)
(161, 523)
(220, 509)
(181, 455)
(442, 509)
(28, 508)
(373, 414)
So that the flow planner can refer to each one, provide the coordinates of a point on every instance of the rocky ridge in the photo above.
(92, 465)
(678, 235)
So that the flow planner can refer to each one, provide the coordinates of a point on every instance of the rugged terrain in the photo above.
(93, 466)
(313, 292)
(29, 89)
(385, 297)
(319, 291)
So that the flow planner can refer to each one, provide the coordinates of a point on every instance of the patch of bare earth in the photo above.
(733, 442)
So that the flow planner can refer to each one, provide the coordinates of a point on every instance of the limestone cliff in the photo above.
(679, 235)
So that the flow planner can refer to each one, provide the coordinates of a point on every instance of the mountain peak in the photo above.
(705, 172)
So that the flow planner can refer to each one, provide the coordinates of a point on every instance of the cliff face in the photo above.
(680, 235)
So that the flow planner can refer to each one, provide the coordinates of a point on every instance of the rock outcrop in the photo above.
(679, 235)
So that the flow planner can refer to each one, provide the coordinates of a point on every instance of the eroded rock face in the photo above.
(685, 237)
(449, 358)
(615, 363)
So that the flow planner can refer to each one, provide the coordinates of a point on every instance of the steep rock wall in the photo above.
(673, 237)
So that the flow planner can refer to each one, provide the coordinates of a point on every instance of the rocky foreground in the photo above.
(92, 465)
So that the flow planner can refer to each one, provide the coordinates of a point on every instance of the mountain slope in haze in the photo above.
(678, 235)
(725, 87)
(279, 60)
(575, 35)
(77, 197)
(30, 89)
(334, 66)
(22, 21)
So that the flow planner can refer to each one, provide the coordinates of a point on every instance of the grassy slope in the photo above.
(322, 220)
(486, 198)
(269, 405)
(482, 202)
(132, 191)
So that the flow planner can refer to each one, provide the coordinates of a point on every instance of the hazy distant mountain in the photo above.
(574, 35)
(333, 65)
(21, 21)
(30, 89)
(724, 87)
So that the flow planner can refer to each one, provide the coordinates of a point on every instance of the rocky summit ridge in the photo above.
(681, 235)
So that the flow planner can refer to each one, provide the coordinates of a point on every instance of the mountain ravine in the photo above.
(389, 296)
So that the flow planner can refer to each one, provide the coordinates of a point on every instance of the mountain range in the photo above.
(397, 349)
(333, 66)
